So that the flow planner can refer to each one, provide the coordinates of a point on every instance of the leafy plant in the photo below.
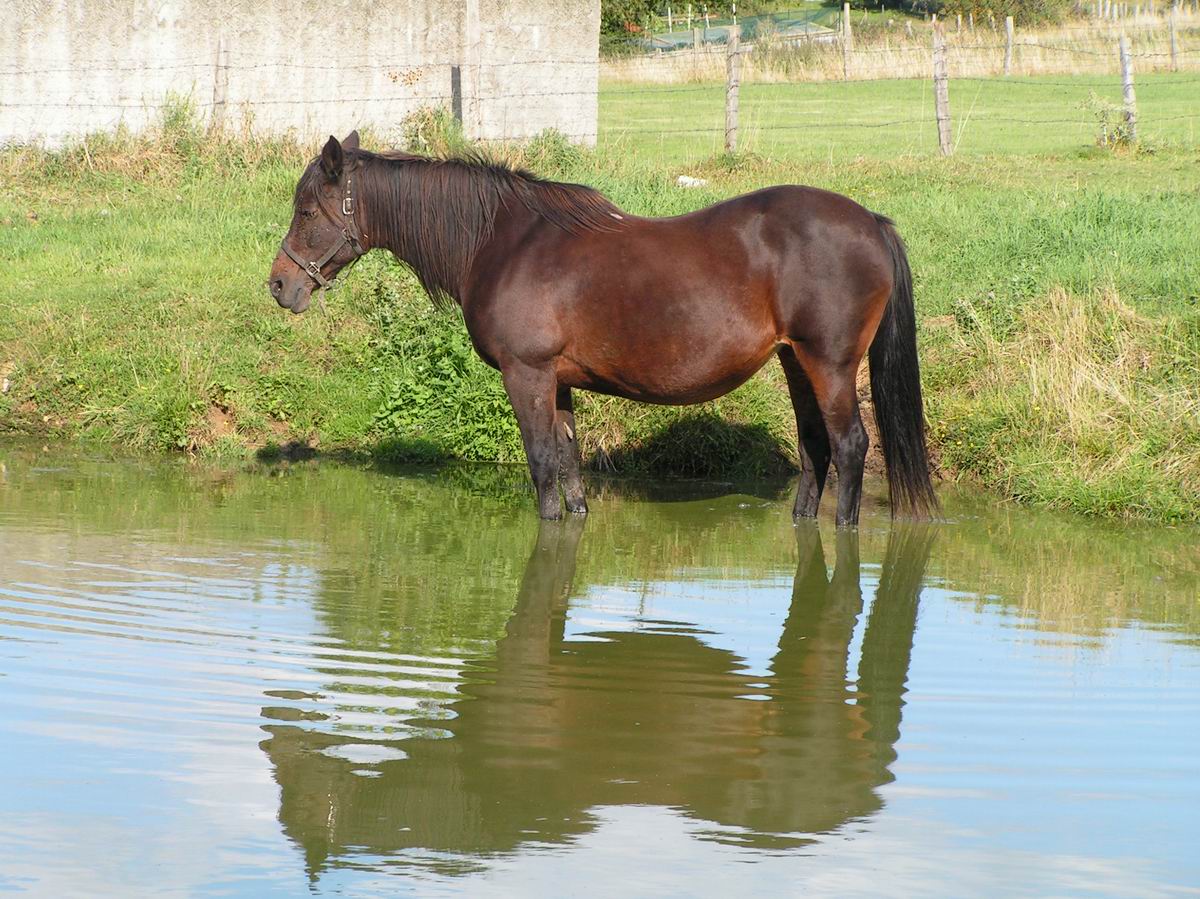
(444, 395)
(1113, 128)
(433, 131)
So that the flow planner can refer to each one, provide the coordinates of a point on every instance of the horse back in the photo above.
(683, 308)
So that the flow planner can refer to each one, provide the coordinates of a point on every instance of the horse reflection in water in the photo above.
(560, 727)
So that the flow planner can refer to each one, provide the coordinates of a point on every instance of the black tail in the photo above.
(896, 391)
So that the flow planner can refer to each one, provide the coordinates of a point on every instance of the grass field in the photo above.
(839, 121)
(899, 46)
(1057, 286)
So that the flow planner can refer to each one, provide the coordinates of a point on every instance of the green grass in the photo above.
(835, 122)
(134, 311)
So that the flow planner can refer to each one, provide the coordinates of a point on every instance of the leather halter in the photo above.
(350, 235)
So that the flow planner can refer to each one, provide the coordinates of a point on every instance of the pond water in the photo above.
(334, 679)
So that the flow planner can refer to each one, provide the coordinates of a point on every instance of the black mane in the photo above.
(436, 214)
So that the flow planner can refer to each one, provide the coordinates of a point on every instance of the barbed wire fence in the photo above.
(1096, 57)
(1102, 57)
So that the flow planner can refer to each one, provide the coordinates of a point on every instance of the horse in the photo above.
(561, 290)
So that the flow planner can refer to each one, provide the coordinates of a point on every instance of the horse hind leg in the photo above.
(834, 388)
(568, 453)
(811, 436)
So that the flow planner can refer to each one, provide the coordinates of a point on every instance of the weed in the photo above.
(433, 131)
(1113, 128)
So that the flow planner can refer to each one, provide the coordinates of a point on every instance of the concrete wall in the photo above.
(71, 67)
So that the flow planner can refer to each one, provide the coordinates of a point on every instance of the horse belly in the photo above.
(658, 363)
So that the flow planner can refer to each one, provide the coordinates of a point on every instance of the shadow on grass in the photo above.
(700, 446)
(693, 458)
(292, 451)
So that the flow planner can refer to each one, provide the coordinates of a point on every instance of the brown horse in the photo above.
(560, 290)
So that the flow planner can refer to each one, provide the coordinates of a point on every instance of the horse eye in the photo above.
(308, 213)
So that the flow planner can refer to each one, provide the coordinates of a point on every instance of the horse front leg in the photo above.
(532, 393)
(568, 453)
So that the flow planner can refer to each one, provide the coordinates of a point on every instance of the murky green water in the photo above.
(270, 681)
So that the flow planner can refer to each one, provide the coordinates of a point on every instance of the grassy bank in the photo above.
(1058, 294)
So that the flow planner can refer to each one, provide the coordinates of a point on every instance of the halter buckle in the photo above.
(347, 205)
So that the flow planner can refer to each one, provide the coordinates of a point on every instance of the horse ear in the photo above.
(350, 143)
(332, 159)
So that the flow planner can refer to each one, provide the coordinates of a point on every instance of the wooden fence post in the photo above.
(1127, 89)
(220, 86)
(846, 41)
(1174, 45)
(941, 92)
(733, 70)
(1008, 44)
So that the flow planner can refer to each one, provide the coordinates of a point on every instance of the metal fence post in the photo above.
(456, 104)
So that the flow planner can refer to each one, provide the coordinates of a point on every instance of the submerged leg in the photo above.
(836, 394)
(568, 453)
(811, 437)
(532, 394)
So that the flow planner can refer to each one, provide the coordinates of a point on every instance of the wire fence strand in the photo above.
(393, 87)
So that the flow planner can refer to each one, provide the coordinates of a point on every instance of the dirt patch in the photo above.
(875, 450)
(875, 463)
(281, 445)
(219, 423)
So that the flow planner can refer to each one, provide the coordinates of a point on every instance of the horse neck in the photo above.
(433, 219)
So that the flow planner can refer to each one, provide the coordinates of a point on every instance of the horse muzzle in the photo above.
(293, 294)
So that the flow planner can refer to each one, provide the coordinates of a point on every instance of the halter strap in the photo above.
(350, 235)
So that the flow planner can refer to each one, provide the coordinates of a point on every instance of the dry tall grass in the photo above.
(1073, 49)
(1087, 392)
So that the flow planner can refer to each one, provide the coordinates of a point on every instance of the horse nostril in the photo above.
(276, 287)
